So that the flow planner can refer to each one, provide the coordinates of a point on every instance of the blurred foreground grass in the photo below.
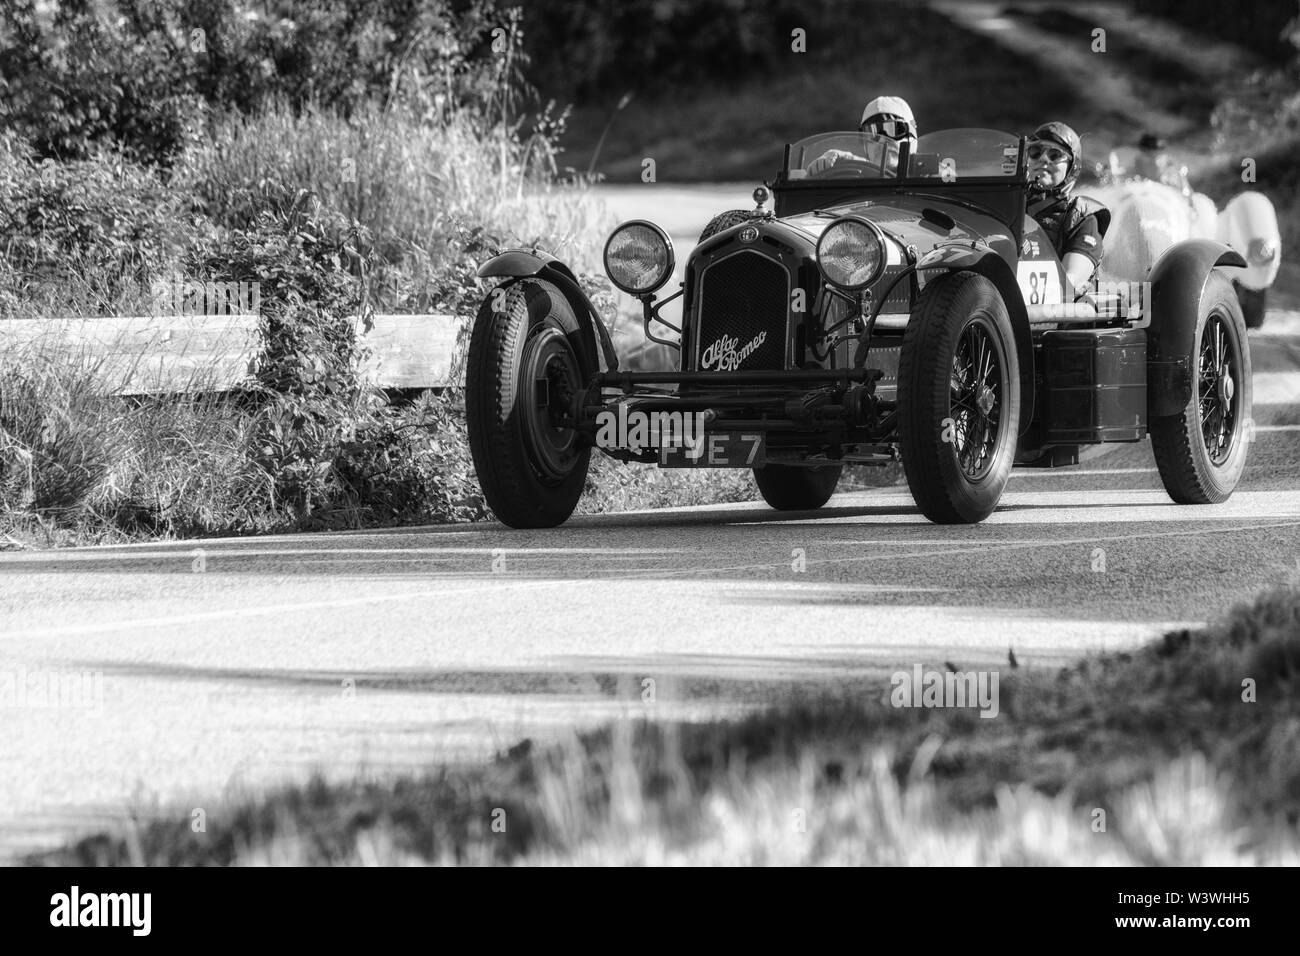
(1155, 757)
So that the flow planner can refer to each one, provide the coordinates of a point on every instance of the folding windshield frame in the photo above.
(794, 196)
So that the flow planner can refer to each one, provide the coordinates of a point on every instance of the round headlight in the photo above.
(639, 257)
(851, 253)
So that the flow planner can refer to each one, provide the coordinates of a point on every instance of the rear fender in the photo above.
(519, 264)
(993, 267)
(1177, 283)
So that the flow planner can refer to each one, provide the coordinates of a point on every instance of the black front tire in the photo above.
(1200, 456)
(532, 473)
(1253, 302)
(958, 423)
(796, 488)
(724, 220)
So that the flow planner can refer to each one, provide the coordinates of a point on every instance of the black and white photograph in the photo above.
(658, 433)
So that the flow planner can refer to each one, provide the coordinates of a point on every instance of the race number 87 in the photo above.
(1037, 288)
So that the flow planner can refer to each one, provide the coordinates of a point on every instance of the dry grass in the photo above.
(413, 185)
(78, 457)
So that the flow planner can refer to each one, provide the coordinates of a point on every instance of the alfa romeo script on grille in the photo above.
(725, 357)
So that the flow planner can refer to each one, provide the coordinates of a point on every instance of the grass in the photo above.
(80, 464)
(1186, 770)
(417, 187)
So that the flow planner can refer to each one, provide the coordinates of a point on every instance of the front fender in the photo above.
(517, 264)
(993, 267)
(1177, 283)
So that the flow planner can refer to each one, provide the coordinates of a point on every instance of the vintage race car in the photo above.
(894, 304)
(1153, 205)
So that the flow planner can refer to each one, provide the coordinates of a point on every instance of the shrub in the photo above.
(409, 464)
(75, 77)
(96, 230)
(138, 73)
(310, 265)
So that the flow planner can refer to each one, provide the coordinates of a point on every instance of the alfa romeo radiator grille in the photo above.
(743, 305)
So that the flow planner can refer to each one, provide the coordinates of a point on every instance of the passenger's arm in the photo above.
(1082, 255)
(1078, 270)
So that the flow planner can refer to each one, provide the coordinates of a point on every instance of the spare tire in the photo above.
(724, 220)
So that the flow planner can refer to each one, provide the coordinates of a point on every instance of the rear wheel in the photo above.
(527, 359)
(795, 488)
(1201, 451)
(959, 399)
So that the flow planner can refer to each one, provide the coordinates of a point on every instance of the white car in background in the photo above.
(1153, 206)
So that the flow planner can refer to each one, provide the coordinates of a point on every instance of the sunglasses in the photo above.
(1054, 155)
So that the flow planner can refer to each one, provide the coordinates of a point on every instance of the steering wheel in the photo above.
(851, 169)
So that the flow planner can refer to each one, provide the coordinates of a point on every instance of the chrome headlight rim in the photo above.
(670, 260)
(877, 234)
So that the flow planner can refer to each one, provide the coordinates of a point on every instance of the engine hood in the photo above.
(912, 220)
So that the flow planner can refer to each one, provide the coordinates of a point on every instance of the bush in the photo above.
(139, 73)
(95, 231)
(409, 464)
(75, 76)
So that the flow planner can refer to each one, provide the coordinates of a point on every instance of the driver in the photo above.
(1073, 224)
(887, 116)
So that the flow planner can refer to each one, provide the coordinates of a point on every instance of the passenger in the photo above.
(1073, 224)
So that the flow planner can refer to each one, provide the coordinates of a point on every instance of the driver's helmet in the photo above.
(891, 117)
(1066, 138)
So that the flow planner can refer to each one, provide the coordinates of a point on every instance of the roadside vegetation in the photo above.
(1180, 753)
(348, 162)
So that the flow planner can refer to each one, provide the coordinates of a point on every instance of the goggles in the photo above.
(895, 127)
(1054, 154)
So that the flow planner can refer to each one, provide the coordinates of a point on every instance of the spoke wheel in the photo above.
(958, 399)
(976, 398)
(1217, 391)
(1201, 452)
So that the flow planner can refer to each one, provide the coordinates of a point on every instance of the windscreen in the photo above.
(846, 154)
(953, 154)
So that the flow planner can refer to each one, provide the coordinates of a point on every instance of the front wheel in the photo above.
(1201, 451)
(527, 360)
(959, 399)
(1252, 303)
(796, 488)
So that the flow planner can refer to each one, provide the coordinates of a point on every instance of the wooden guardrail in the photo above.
(152, 354)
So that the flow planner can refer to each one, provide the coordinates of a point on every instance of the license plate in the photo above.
(718, 450)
